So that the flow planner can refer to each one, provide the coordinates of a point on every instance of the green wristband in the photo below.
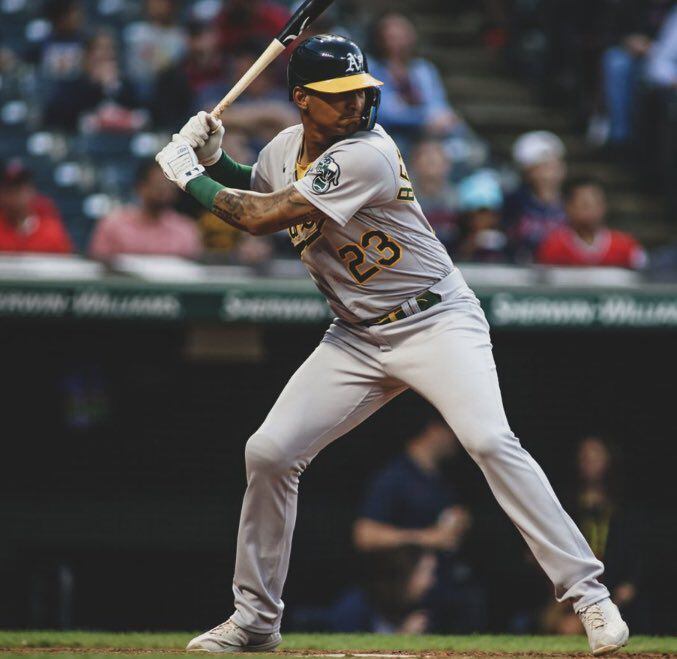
(232, 174)
(204, 190)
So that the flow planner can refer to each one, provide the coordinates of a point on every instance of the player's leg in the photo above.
(331, 393)
(450, 363)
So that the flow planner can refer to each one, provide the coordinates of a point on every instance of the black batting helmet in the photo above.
(332, 64)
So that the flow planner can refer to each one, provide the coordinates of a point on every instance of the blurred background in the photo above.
(142, 340)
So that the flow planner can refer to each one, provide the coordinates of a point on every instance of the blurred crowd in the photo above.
(413, 538)
(611, 63)
(90, 89)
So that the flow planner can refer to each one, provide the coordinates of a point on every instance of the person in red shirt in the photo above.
(150, 227)
(29, 222)
(243, 21)
(585, 239)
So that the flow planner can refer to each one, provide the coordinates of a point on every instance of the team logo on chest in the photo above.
(327, 173)
(355, 63)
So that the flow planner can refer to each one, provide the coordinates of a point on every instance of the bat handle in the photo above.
(268, 55)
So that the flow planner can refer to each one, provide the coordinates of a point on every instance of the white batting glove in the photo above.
(179, 162)
(204, 134)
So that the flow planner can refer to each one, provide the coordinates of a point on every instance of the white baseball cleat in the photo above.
(228, 637)
(604, 626)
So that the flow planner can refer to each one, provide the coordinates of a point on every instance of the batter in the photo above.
(405, 318)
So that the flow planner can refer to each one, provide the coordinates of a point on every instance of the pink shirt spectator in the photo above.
(128, 230)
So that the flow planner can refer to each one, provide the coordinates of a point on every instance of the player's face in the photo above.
(336, 114)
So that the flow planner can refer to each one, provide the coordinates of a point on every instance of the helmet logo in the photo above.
(327, 173)
(355, 63)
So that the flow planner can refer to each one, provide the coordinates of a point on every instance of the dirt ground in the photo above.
(327, 655)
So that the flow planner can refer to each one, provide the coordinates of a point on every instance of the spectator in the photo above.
(29, 222)
(244, 21)
(624, 63)
(585, 240)
(101, 90)
(150, 226)
(153, 45)
(609, 528)
(414, 100)
(393, 598)
(431, 177)
(409, 503)
(61, 54)
(662, 65)
(481, 239)
(535, 209)
(192, 84)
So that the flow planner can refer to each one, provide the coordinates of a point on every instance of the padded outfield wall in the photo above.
(123, 434)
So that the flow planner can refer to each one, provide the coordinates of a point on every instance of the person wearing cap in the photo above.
(480, 201)
(29, 222)
(536, 208)
(586, 240)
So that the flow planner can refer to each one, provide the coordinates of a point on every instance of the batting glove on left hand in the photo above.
(179, 163)
(204, 134)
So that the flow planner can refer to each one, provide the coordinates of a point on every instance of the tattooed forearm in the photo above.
(229, 206)
(264, 213)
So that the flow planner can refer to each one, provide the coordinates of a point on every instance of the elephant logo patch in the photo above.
(327, 173)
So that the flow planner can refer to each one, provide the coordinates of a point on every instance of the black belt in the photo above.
(424, 301)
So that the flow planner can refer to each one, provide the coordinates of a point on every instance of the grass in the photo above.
(105, 644)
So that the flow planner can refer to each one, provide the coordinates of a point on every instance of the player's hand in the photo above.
(179, 162)
(204, 134)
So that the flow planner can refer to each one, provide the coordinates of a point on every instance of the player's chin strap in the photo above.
(371, 103)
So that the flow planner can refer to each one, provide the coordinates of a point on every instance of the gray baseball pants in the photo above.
(444, 354)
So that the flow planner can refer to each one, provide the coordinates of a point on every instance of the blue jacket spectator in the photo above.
(414, 100)
(411, 503)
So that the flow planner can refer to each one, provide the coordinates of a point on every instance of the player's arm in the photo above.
(254, 212)
(261, 214)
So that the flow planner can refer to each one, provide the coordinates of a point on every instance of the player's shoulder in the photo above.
(622, 238)
(283, 140)
(371, 148)
(287, 134)
(376, 139)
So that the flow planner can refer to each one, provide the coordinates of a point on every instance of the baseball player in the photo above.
(405, 318)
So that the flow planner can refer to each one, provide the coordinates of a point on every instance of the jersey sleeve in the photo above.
(260, 179)
(352, 176)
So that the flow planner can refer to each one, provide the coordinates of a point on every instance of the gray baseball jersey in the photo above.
(372, 251)
(374, 248)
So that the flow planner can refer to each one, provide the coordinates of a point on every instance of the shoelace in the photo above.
(593, 616)
(223, 627)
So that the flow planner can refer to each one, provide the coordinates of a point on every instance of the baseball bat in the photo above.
(302, 18)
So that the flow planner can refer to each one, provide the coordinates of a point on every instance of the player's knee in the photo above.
(263, 455)
(485, 445)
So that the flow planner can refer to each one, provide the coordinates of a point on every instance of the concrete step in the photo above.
(463, 60)
(516, 117)
(615, 177)
(463, 29)
(487, 89)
